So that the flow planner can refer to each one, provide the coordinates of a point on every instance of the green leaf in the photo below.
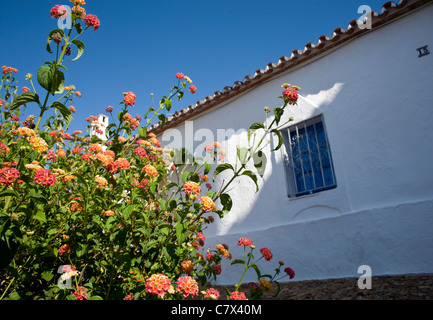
(278, 289)
(280, 139)
(165, 103)
(95, 298)
(83, 181)
(169, 252)
(81, 250)
(49, 38)
(80, 46)
(227, 202)
(259, 275)
(45, 77)
(40, 215)
(5, 224)
(278, 113)
(164, 228)
(7, 193)
(162, 118)
(242, 155)
(221, 168)
(180, 233)
(78, 27)
(180, 95)
(255, 126)
(162, 101)
(237, 261)
(37, 196)
(185, 176)
(47, 276)
(58, 83)
(252, 176)
(120, 115)
(163, 204)
(260, 161)
(127, 211)
(66, 113)
(168, 104)
(142, 131)
(211, 194)
(207, 168)
(62, 67)
(24, 98)
(13, 296)
(148, 110)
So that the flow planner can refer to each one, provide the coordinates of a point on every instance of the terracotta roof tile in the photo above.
(389, 12)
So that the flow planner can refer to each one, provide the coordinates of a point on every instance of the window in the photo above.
(308, 160)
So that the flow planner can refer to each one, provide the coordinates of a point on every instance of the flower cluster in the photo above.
(105, 158)
(4, 148)
(140, 151)
(266, 285)
(101, 180)
(45, 177)
(7, 70)
(80, 293)
(266, 253)
(8, 176)
(133, 122)
(193, 88)
(92, 21)
(158, 284)
(212, 294)
(66, 248)
(223, 250)
(58, 11)
(150, 170)
(244, 241)
(187, 266)
(80, 12)
(78, 2)
(188, 286)
(290, 94)
(129, 98)
(38, 144)
(207, 203)
(191, 187)
(236, 295)
(290, 272)
(109, 213)
(68, 272)
(122, 163)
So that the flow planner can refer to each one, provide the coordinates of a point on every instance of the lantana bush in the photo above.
(88, 218)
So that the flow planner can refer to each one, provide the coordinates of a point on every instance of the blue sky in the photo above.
(141, 45)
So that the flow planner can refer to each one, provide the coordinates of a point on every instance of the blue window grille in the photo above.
(308, 161)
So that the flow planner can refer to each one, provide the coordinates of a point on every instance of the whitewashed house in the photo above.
(365, 196)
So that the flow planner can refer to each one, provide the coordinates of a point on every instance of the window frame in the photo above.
(289, 164)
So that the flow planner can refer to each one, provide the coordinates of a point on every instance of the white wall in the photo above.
(377, 101)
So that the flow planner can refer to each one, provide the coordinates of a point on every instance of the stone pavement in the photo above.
(396, 287)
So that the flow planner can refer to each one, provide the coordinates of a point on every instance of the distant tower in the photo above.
(100, 125)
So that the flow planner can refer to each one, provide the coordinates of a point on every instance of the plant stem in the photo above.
(246, 265)
(13, 279)
(43, 109)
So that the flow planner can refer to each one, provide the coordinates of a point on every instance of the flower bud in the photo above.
(56, 37)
